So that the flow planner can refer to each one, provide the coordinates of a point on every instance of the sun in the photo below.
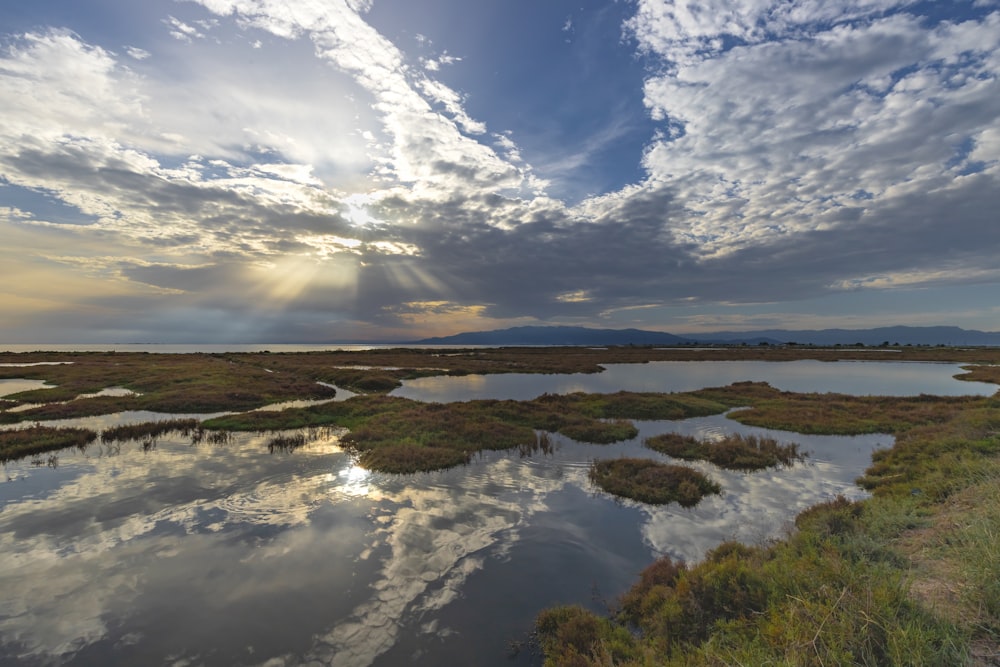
(357, 212)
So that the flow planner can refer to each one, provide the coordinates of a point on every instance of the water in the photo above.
(225, 554)
(17, 385)
(229, 555)
(858, 378)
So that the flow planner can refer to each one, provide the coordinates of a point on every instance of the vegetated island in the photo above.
(658, 483)
(733, 452)
(652, 482)
(909, 576)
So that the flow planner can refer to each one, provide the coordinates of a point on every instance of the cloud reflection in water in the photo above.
(227, 554)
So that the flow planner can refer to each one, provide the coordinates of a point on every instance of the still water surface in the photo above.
(230, 555)
(858, 378)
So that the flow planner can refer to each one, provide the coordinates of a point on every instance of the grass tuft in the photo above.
(148, 430)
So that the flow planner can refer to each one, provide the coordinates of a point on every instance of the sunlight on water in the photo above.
(353, 481)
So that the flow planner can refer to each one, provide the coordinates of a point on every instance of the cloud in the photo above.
(183, 31)
(800, 152)
(685, 31)
(782, 137)
(434, 64)
(137, 53)
(426, 149)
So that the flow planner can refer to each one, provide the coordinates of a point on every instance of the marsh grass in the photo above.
(832, 414)
(814, 599)
(33, 440)
(148, 430)
(409, 458)
(978, 546)
(600, 432)
(963, 542)
(286, 443)
(543, 444)
(215, 437)
(85, 407)
(733, 452)
(167, 383)
(652, 482)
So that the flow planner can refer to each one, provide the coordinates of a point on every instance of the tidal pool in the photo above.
(858, 378)
(17, 385)
(228, 555)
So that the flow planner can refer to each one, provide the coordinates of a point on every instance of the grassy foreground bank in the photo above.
(910, 576)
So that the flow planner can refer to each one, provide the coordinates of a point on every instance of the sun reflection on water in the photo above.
(353, 481)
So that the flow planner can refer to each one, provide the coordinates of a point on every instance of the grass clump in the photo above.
(286, 443)
(148, 430)
(733, 452)
(22, 442)
(571, 635)
(652, 482)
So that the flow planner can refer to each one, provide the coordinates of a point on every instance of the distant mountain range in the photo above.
(558, 335)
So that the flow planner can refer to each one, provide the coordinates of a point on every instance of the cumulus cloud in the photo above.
(824, 130)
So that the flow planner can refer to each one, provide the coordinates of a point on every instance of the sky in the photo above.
(384, 170)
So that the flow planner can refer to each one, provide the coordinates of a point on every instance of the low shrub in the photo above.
(572, 635)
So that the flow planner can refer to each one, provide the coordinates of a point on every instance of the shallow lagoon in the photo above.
(858, 378)
(226, 554)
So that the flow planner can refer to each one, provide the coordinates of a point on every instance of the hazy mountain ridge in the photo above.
(559, 336)
(563, 335)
